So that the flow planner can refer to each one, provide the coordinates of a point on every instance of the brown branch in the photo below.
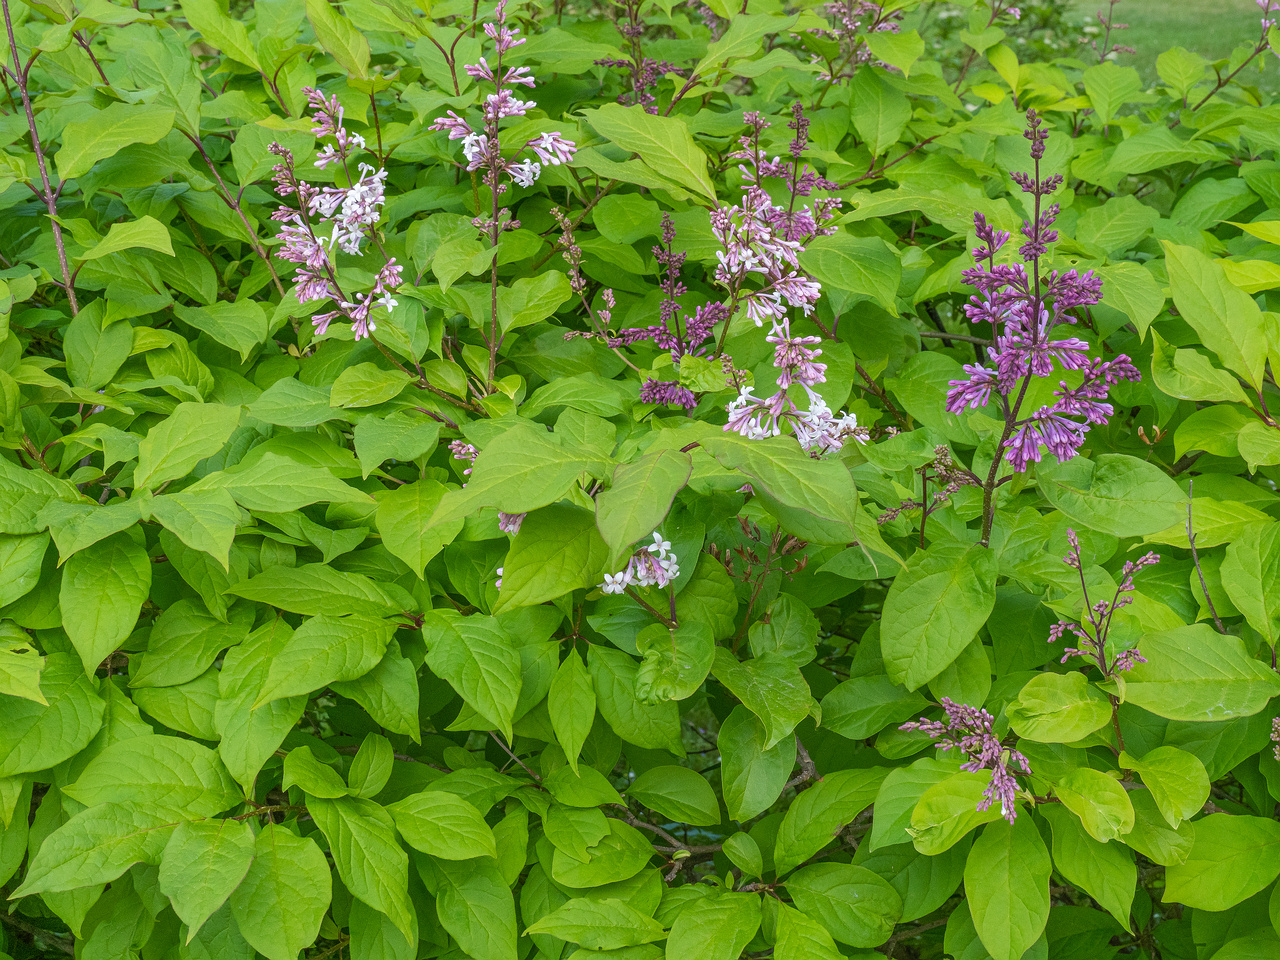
(49, 196)
(60, 941)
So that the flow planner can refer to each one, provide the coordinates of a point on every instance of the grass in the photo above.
(1211, 28)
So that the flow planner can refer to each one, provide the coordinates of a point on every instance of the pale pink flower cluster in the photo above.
(651, 566)
(483, 148)
(329, 217)
(765, 239)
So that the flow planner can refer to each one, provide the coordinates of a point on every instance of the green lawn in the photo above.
(1211, 28)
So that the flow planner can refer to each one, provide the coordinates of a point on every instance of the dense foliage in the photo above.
(557, 481)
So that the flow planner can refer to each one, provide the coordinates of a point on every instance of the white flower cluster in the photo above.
(652, 566)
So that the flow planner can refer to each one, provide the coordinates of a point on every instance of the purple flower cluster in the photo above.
(1093, 639)
(762, 241)
(329, 217)
(969, 730)
(645, 71)
(851, 21)
(1024, 309)
(483, 149)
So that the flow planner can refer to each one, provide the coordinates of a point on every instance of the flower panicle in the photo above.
(1093, 636)
(1024, 310)
(341, 217)
(970, 730)
(482, 148)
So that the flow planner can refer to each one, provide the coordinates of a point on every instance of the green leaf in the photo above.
(404, 518)
(85, 142)
(879, 110)
(771, 687)
(947, 810)
(275, 484)
(1157, 146)
(1195, 673)
(369, 859)
(1113, 493)
(639, 499)
(105, 585)
(316, 588)
(283, 898)
(1226, 318)
(20, 668)
(20, 560)
(204, 520)
(571, 703)
(1006, 881)
(476, 907)
(168, 774)
(366, 385)
(866, 268)
(1098, 800)
(679, 794)
(1177, 781)
(899, 50)
(476, 657)
(652, 726)
(1131, 289)
(203, 862)
(221, 31)
(242, 325)
(752, 776)
(76, 526)
(183, 644)
(145, 232)
(814, 499)
(1118, 224)
(1188, 375)
(817, 815)
(1058, 708)
(322, 650)
(556, 551)
(372, 766)
(1231, 859)
(403, 436)
(39, 736)
(1109, 87)
(663, 143)
(388, 692)
(742, 39)
(1249, 574)
(858, 907)
(339, 38)
(716, 928)
(531, 300)
(861, 707)
(316, 779)
(517, 472)
(1106, 871)
(935, 609)
(443, 825)
(95, 353)
(95, 846)
(191, 433)
(599, 924)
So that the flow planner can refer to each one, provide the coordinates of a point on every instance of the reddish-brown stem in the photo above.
(49, 195)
